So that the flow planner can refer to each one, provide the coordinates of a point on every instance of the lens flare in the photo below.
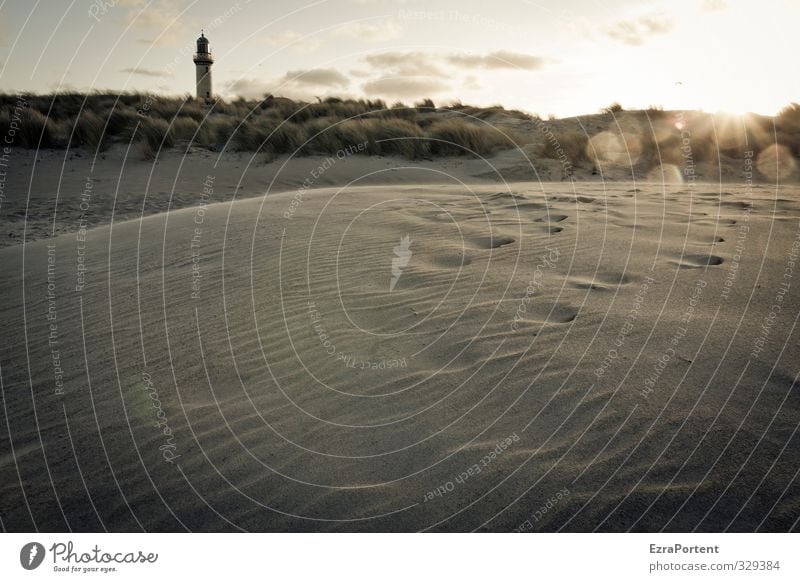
(776, 162)
(666, 174)
(607, 148)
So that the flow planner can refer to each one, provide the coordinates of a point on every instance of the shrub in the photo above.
(788, 118)
(269, 135)
(155, 136)
(350, 133)
(323, 136)
(121, 122)
(454, 137)
(5, 122)
(286, 138)
(399, 111)
(217, 130)
(164, 108)
(62, 106)
(569, 144)
(273, 124)
(787, 127)
(380, 136)
(282, 108)
(89, 130)
(36, 130)
(394, 137)
(185, 128)
(613, 108)
(193, 110)
(251, 135)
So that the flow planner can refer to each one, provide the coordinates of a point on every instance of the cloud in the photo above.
(423, 64)
(144, 72)
(393, 59)
(368, 31)
(637, 30)
(415, 75)
(403, 87)
(402, 75)
(302, 84)
(412, 64)
(715, 5)
(250, 88)
(253, 88)
(498, 60)
(317, 77)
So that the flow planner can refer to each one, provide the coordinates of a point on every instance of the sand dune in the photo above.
(551, 357)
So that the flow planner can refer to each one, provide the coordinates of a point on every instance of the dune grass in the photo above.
(275, 126)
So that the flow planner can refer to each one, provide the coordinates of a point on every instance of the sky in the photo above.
(565, 57)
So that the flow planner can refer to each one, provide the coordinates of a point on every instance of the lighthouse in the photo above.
(202, 64)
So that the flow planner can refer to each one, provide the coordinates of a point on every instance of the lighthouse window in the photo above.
(208, 94)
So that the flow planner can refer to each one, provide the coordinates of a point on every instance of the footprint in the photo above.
(742, 204)
(553, 218)
(506, 196)
(492, 242)
(549, 314)
(697, 261)
(709, 240)
(530, 205)
(585, 199)
(563, 316)
(579, 283)
(712, 222)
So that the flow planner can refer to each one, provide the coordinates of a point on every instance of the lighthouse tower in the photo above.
(202, 64)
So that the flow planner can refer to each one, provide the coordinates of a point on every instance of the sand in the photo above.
(553, 356)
